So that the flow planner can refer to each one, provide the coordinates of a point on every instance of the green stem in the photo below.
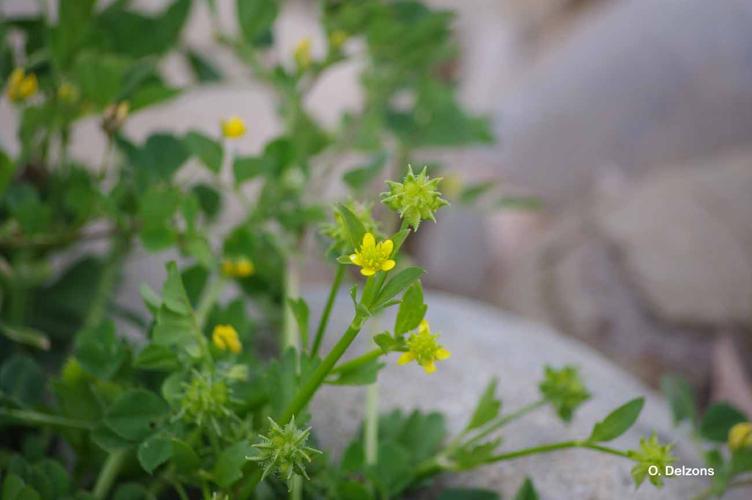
(372, 424)
(500, 422)
(324, 321)
(296, 493)
(306, 392)
(107, 281)
(108, 474)
(290, 337)
(30, 417)
(207, 301)
(548, 448)
(357, 362)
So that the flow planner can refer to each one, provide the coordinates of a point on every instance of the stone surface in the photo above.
(686, 238)
(648, 272)
(641, 84)
(487, 343)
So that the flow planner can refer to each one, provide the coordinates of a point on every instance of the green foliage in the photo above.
(192, 395)
(618, 421)
(718, 420)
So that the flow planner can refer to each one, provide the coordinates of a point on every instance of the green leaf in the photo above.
(100, 351)
(468, 494)
(135, 414)
(526, 491)
(184, 458)
(209, 200)
(202, 69)
(411, 311)
(618, 421)
(7, 170)
(301, 312)
(152, 301)
(154, 451)
(392, 473)
(487, 409)
(718, 420)
(355, 228)
(22, 380)
(105, 438)
(230, 463)
(99, 77)
(13, 485)
(205, 149)
(132, 491)
(134, 34)
(72, 28)
(157, 160)
(681, 397)
(248, 167)
(157, 357)
(256, 18)
(387, 343)
(397, 284)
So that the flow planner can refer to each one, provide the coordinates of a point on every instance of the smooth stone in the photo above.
(488, 343)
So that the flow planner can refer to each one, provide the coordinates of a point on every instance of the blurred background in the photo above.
(630, 121)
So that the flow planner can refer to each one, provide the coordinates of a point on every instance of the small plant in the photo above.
(212, 402)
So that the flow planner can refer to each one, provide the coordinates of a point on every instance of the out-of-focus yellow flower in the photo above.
(241, 267)
(373, 257)
(337, 39)
(225, 337)
(21, 86)
(303, 54)
(424, 348)
(67, 92)
(740, 436)
(233, 127)
(114, 117)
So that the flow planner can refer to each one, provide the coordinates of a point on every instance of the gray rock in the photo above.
(487, 343)
(640, 85)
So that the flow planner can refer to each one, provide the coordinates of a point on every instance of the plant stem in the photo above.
(372, 424)
(358, 361)
(500, 422)
(107, 281)
(296, 493)
(290, 337)
(306, 392)
(108, 474)
(324, 321)
(207, 301)
(30, 417)
(547, 448)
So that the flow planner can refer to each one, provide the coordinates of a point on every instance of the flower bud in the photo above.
(225, 338)
(284, 451)
(740, 436)
(303, 54)
(114, 117)
(652, 460)
(564, 390)
(416, 198)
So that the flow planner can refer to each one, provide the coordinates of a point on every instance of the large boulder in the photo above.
(639, 85)
(487, 343)
(660, 262)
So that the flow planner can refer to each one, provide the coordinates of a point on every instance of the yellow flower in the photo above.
(424, 349)
(337, 39)
(241, 267)
(373, 257)
(740, 436)
(21, 86)
(226, 337)
(233, 127)
(303, 53)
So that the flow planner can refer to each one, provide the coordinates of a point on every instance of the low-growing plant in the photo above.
(212, 399)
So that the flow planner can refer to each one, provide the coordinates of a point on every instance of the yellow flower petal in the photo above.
(387, 247)
(423, 326)
(356, 259)
(368, 241)
(405, 358)
(443, 354)
(367, 271)
(387, 265)
(429, 367)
